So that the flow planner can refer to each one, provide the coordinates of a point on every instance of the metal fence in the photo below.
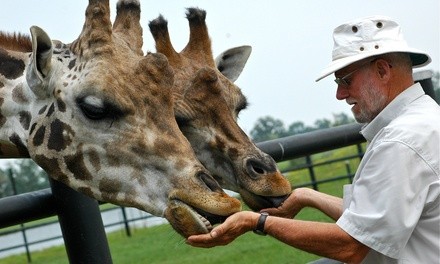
(80, 219)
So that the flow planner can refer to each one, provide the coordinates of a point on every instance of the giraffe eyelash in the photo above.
(95, 109)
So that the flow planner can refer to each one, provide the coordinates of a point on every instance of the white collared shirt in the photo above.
(394, 201)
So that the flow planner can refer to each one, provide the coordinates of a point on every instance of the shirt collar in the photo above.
(391, 111)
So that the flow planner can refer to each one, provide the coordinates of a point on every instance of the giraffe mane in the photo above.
(15, 41)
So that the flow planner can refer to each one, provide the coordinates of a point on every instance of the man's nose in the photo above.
(341, 92)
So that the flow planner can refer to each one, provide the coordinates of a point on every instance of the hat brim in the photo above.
(418, 58)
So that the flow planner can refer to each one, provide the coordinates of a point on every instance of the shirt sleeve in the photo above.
(388, 198)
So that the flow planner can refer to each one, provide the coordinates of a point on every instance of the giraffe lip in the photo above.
(208, 218)
(188, 220)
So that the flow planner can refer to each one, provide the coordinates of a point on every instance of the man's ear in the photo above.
(383, 69)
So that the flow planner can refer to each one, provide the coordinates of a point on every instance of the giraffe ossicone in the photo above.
(98, 116)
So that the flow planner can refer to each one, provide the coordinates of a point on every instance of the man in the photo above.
(391, 212)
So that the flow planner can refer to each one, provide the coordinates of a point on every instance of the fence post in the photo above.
(22, 227)
(127, 226)
(360, 151)
(347, 168)
(311, 172)
(81, 225)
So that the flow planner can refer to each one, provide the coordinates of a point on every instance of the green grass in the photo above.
(160, 244)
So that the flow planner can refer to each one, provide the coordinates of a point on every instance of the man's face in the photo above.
(362, 91)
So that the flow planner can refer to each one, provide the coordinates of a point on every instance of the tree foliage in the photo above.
(24, 175)
(268, 128)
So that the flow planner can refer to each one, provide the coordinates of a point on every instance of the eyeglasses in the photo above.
(344, 81)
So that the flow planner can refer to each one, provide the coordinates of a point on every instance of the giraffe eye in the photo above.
(93, 112)
(182, 121)
(96, 109)
(242, 105)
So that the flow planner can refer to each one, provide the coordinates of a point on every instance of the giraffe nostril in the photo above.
(210, 182)
(256, 168)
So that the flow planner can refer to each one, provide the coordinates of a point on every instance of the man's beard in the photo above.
(374, 103)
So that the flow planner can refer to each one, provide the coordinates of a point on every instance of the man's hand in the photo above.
(291, 206)
(223, 234)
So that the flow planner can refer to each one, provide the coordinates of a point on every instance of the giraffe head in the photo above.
(206, 105)
(98, 116)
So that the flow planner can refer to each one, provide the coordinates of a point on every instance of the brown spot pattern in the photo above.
(52, 167)
(22, 149)
(114, 160)
(56, 140)
(34, 125)
(72, 64)
(75, 164)
(87, 191)
(61, 105)
(110, 188)
(2, 119)
(18, 95)
(39, 136)
(10, 67)
(42, 110)
(25, 119)
(95, 160)
(51, 110)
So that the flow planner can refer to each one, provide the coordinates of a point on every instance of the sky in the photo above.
(291, 42)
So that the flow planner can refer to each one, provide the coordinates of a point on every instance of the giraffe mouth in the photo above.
(258, 202)
(187, 220)
(209, 219)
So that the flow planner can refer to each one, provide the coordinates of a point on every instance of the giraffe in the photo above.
(206, 105)
(97, 115)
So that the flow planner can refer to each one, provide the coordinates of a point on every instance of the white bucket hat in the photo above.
(366, 37)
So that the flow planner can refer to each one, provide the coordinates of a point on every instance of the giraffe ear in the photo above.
(38, 71)
(231, 62)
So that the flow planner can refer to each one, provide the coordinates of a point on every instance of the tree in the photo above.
(341, 119)
(322, 123)
(27, 175)
(297, 128)
(267, 128)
